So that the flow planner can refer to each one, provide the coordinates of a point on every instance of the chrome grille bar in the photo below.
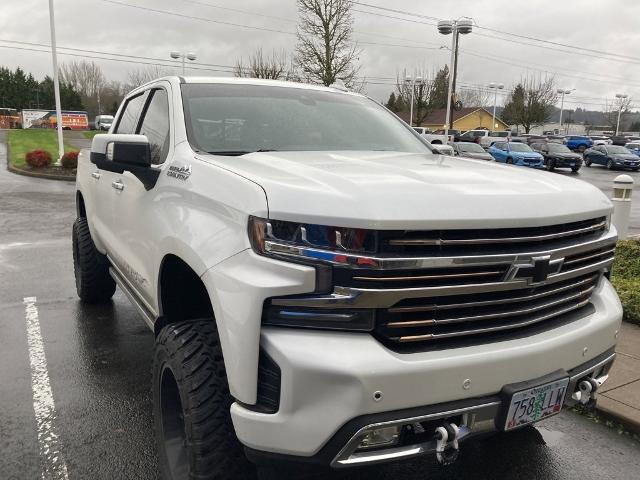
(493, 316)
(476, 331)
(484, 241)
(484, 303)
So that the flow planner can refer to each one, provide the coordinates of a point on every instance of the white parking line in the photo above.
(52, 461)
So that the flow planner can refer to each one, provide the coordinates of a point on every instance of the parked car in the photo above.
(633, 147)
(516, 153)
(334, 295)
(600, 140)
(579, 143)
(103, 122)
(535, 139)
(433, 138)
(443, 149)
(558, 156)
(561, 139)
(612, 156)
(620, 140)
(471, 150)
(422, 130)
(453, 134)
(486, 138)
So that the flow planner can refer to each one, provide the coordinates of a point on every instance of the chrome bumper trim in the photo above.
(348, 297)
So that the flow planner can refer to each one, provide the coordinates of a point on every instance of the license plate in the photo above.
(534, 404)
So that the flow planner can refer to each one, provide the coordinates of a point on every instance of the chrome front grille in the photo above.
(473, 314)
(462, 285)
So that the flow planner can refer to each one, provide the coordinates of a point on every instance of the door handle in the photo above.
(96, 175)
(118, 185)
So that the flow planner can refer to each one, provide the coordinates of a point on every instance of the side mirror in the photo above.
(123, 152)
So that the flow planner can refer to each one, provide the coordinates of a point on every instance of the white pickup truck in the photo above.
(485, 138)
(432, 138)
(332, 295)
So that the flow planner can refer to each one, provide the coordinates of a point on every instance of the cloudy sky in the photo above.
(221, 31)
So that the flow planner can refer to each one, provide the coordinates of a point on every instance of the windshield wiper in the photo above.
(238, 153)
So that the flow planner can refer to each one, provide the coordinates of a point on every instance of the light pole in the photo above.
(495, 87)
(455, 27)
(621, 98)
(563, 92)
(412, 82)
(56, 82)
(190, 56)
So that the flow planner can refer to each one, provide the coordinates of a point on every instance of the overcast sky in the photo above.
(388, 45)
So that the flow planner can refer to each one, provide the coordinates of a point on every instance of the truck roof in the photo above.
(248, 81)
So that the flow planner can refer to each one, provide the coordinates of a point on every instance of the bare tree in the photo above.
(611, 110)
(325, 51)
(87, 79)
(274, 67)
(531, 103)
(142, 75)
(475, 97)
(428, 95)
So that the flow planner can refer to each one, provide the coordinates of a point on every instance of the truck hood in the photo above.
(390, 190)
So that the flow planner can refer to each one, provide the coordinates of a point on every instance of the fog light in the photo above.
(380, 437)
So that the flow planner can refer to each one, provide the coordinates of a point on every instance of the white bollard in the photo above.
(622, 189)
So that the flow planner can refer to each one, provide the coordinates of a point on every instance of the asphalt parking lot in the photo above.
(75, 391)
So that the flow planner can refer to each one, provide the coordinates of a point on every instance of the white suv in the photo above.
(326, 289)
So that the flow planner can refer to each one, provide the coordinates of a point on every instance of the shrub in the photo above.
(38, 158)
(626, 278)
(69, 160)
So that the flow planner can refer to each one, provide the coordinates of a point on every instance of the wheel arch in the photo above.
(182, 295)
(81, 210)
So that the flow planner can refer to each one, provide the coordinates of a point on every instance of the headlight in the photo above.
(315, 243)
(320, 246)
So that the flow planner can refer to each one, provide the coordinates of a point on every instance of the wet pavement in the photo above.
(98, 361)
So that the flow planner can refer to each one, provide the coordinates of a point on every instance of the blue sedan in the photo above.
(517, 154)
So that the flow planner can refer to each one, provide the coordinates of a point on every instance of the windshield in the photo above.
(471, 148)
(617, 149)
(234, 119)
(557, 148)
(519, 147)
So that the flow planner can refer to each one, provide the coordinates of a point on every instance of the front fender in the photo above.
(238, 288)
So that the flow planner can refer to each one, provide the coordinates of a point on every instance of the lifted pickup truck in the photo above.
(327, 294)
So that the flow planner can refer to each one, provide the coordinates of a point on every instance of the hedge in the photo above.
(626, 278)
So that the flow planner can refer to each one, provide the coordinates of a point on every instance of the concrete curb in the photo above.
(615, 416)
(29, 173)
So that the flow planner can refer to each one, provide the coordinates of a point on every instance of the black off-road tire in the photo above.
(91, 268)
(191, 400)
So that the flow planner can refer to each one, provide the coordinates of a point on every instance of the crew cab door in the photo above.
(138, 211)
(106, 181)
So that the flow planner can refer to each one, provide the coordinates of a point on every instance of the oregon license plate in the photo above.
(528, 406)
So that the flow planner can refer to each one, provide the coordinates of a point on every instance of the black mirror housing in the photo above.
(129, 153)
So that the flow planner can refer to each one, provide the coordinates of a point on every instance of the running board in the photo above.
(147, 316)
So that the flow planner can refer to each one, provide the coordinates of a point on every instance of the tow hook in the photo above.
(587, 390)
(447, 449)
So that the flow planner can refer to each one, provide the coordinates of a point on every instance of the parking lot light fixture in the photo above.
(621, 98)
(495, 87)
(412, 82)
(562, 93)
(184, 56)
(462, 26)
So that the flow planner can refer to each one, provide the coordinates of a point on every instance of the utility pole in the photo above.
(56, 82)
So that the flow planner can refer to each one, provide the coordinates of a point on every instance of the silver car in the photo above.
(470, 150)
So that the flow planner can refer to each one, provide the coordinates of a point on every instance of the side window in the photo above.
(155, 125)
(129, 117)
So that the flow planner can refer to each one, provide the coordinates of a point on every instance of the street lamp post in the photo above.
(621, 97)
(455, 27)
(56, 81)
(495, 87)
(563, 92)
(188, 56)
(412, 82)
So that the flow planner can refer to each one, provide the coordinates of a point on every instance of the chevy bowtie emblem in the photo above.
(536, 271)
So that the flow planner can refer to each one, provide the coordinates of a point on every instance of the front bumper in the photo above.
(332, 380)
